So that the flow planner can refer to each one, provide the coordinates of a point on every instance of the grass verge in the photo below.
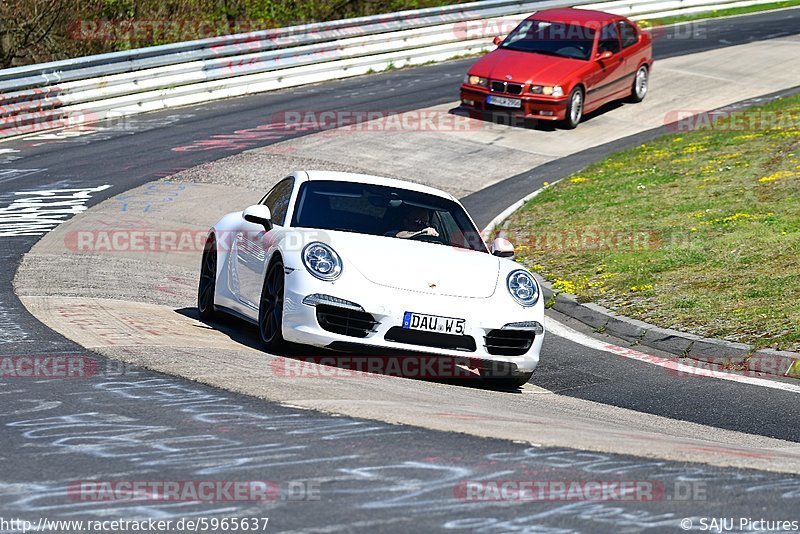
(649, 23)
(697, 231)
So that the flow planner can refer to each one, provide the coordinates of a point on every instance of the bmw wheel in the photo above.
(270, 310)
(639, 89)
(208, 280)
(574, 109)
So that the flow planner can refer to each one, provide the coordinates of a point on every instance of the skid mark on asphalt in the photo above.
(566, 332)
(35, 213)
(223, 435)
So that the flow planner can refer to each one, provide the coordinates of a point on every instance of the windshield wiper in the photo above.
(543, 52)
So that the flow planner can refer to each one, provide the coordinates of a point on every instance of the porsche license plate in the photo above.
(433, 323)
(504, 102)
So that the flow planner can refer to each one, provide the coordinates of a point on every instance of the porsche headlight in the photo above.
(322, 261)
(523, 287)
(476, 80)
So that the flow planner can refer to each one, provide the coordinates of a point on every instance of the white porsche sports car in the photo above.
(352, 262)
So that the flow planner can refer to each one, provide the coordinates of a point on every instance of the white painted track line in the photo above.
(554, 327)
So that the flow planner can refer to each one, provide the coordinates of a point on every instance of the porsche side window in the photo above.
(450, 231)
(628, 33)
(609, 40)
(277, 200)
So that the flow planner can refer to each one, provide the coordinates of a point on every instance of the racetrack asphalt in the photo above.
(61, 430)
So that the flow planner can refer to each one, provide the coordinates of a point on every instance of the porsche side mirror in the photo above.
(497, 40)
(602, 56)
(502, 248)
(258, 214)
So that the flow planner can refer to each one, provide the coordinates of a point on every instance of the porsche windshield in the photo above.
(384, 211)
(551, 38)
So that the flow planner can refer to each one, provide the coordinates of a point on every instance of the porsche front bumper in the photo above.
(373, 319)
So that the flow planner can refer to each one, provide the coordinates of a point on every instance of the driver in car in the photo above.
(418, 222)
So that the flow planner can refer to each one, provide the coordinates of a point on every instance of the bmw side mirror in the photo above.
(502, 248)
(604, 55)
(497, 40)
(258, 214)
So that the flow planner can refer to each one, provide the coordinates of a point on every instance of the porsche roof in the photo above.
(368, 179)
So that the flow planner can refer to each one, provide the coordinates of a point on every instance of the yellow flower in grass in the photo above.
(776, 176)
(644, 287)
(578, 180)
(567, 286)
(691, 149)
(736, 217)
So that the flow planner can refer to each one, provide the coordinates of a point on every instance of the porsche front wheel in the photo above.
(270, 309)
(515, 381)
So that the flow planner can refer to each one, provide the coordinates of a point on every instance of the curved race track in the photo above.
(137, 307)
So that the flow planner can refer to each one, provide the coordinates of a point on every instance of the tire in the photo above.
(207, 286)
(574, 109)
(640, 84)
(270, 309)
(515, 381)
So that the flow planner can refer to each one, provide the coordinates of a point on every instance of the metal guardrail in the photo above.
(87, 89)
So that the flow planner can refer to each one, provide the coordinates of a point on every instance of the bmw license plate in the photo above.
(433, 323)
(503, 101)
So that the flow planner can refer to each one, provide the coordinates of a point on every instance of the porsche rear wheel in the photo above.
(208, 280)
(270, 310)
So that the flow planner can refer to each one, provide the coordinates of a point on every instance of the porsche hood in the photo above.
(414, 265)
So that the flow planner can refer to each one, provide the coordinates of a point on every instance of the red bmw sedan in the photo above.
(559, 64)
